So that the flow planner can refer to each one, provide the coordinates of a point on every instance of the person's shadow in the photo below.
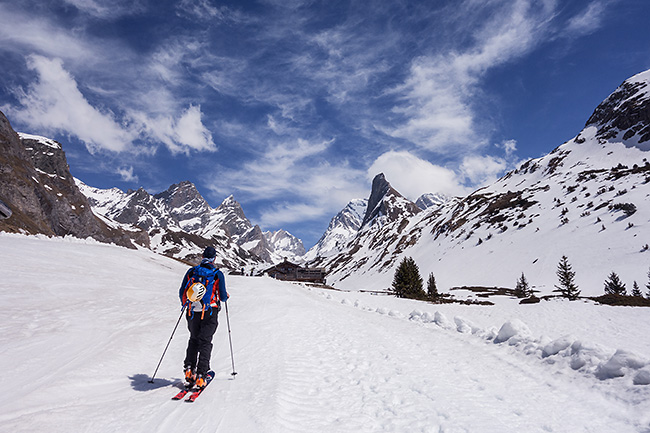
(141, 383)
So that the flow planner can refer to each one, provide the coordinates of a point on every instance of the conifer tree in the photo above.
(522, 289)
(407, 282)
(636, 291)
(566, 276)
(647, 286)
(614, 285)
(432, 288)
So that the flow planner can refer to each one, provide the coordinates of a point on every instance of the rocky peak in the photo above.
(341, 229)
(233, 219)
(184, 198)
(351, 216)
(386, 202)
(284, 244)
(625, 111)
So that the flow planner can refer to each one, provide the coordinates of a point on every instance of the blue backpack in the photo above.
(207, 277)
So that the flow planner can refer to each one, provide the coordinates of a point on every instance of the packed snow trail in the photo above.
(80, 338)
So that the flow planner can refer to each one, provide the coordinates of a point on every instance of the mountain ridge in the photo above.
(585, 199)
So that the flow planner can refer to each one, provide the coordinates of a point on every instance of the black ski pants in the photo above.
(199, 348)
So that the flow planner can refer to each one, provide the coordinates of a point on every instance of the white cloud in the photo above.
(191, 132)
(588, 21)
(126, 173)
(438, 95)
(481, 170)
(509, 147)
(107, 9)
(412, 176)
(22, 32)
(55, 103)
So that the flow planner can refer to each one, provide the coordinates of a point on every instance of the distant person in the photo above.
(202, 290)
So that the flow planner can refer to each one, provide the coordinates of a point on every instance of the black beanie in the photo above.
(210, 253)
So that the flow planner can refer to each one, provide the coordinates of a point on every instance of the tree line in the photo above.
(407, 283)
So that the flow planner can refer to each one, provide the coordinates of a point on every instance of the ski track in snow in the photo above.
(88, 329)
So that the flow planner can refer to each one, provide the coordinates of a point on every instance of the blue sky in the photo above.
(293, 106)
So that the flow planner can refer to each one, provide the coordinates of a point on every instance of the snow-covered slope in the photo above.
(589, 199)
(284, 245)
(341, 229)
(431, 199)
(82, 336)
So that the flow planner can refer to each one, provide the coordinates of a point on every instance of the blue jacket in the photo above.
(210, 299)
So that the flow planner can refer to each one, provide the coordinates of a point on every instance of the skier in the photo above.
(203, 304)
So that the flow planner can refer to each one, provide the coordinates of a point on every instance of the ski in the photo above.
(193, 396)
(181, 394)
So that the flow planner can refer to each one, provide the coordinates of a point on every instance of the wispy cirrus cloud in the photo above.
(206, 11)
(437, 98)
(22, 32)
(108, 9)
(293, 193)
(589, 20)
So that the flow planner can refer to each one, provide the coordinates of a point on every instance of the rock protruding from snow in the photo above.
(36, 185)
(625, 114)
(386, 205)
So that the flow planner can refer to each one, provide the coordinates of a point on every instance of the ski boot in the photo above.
(200, 381)
(190, 377)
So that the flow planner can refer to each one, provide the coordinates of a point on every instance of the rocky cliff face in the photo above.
(186, 205)
(37, 186)
(625, 114)
(386, 205)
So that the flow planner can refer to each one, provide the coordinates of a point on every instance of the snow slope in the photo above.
(82, 334)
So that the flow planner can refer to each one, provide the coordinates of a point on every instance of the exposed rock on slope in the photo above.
(36, 183)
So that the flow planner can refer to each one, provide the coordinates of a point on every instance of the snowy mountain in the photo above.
(431, 199)
(284, 245)
(186, 205)
(588, 199)
(173, 219)
(341, 229)
(181, 223)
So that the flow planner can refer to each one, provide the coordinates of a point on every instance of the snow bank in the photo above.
(513, 331)
(619, 364)
(564, 352)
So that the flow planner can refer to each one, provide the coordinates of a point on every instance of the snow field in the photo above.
(90, 325)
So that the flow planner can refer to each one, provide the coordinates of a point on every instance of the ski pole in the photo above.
(170, 340)
(232, 358)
